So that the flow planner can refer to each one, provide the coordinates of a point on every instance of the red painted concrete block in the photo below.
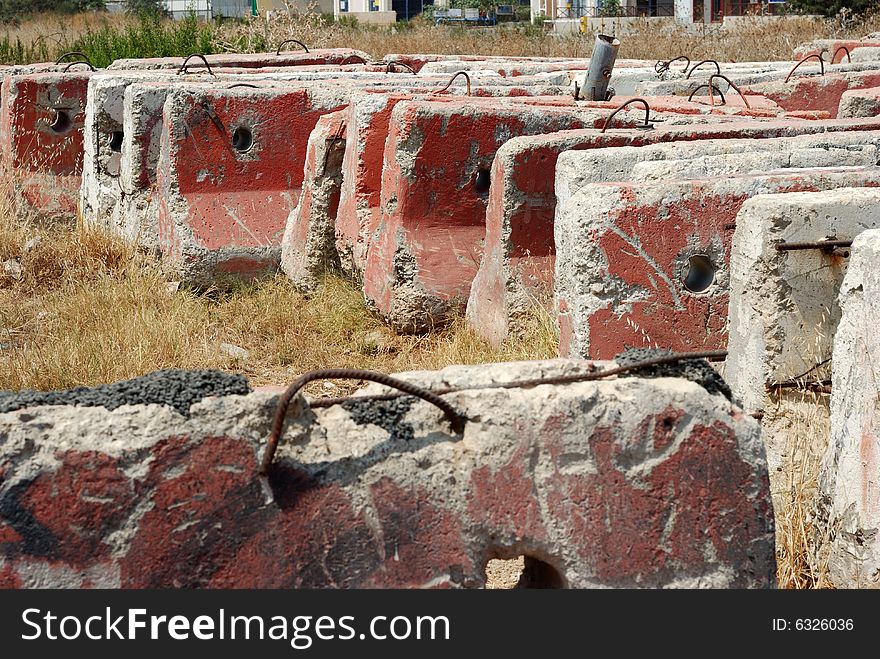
(230, 171)
(368, 126)
(424, 249)
(666, 487)
(41, 140)
(815, 93)
(519, 250)
(648, 265)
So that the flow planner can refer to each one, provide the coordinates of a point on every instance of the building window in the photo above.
(343, 6)
(374, 5)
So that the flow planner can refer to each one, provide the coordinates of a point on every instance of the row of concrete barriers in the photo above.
(491, 192)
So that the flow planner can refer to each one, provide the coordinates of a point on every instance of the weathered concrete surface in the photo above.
(830, 48)
(318, 56)
(424, 249)
(308, 248)
(518, 260)
(815, 92)
(368, 124)
(623, 483)
(783, 305)
(230, 172)
(860, 103)
(850, 476)
(41, 134)
(649, 264)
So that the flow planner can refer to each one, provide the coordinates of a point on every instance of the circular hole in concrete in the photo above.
(61, 122)
(482, 182)
(700, 273)
(242, 139)
(115, 141)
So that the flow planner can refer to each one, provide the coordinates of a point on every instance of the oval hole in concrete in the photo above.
(114, 141)
(61, 122)
(700, 274)
(482, 182)
(242, 139)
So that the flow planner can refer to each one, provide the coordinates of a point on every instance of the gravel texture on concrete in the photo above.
(387, 415)
(173, 387)
(695, 370)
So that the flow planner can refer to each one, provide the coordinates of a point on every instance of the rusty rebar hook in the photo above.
(646, 126)
(733, 86)
(184, 68)
(844, 49)
(393, 63)
(345, 60)
(661, 66)
(82, 58)
(699, 64)
(287, 41)
(806, 59)
(456, 420)
(82, 61)
(712, 90)
(449, 84)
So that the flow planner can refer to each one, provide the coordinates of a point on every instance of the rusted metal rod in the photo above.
(393, 63)
(806, 59)
(820, 386)
(712, 90)
(296, 41)
(82, 57)
(816, 244)
(662, 66)
(449, 84)
(699, 64)
(646, 125)
(844, 49)
(184, 68)
(456, 420)
(732, 86)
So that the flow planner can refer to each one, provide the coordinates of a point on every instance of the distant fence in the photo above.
(206, 9)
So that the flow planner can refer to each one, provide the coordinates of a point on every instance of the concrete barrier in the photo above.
(649, 264)
(811, 93)
(783, 305)
(41, 137)
(516, 271)
(230, 172)
(165, 494)
(850, 503)
(859, 103)
(308, 248)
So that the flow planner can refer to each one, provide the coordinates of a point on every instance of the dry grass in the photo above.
(88, 309)
(752, 39)
(800, 422)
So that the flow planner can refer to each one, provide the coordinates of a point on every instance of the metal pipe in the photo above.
(817, 244)
(595, 85)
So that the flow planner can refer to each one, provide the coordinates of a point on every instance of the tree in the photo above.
(830, 7)
(610, 8)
